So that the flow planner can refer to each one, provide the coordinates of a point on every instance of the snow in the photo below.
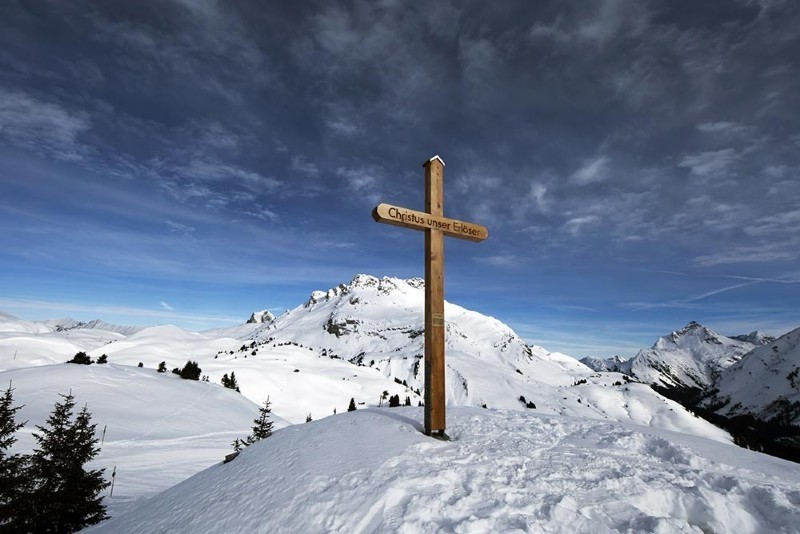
(692, 357)
(596, 451)
(763, 379)
(503, 471)
(160, 429)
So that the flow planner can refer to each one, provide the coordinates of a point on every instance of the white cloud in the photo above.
(165, 306)
(576, 224)
(362, 180)
(594, 170)
(499, 260)
(709, 163)
(750, 254)
(179, 228)
(537, 197)
(303, 166)
(722, 127)
(43, 126)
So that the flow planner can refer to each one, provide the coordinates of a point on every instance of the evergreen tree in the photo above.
(231, 382)
(234, 383)
(162, 367)
(13, 483)
(65, 496)
(308, 418)
(352, 406)
(102, 359)
(82, 358)
(263, 426)
(394, 401)
(190, 371)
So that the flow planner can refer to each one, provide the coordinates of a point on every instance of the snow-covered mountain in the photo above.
(764, 384)
(377, 324)
(693, 357)
(755, 338)
(65, 324)
(263, 316)
(611, 364)
(360, 339)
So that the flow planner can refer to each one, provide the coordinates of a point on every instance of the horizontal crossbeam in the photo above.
(419, 220)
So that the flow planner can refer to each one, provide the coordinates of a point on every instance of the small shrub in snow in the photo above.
(81, 358)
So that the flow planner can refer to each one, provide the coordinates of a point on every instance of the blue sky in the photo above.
(189, 161)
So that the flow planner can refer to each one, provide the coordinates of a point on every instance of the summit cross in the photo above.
(435, 225)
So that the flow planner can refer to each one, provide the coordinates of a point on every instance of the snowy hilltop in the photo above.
(503, 471)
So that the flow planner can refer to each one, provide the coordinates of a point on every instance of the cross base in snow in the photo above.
(435, 225)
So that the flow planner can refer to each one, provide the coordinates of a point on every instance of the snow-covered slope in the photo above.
(31, 343)
(693, 357)
(159, 429)
(765, 383)
(504, 471)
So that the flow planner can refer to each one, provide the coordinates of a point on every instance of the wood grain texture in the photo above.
(434, 303)
(436, 226)
(420, 220)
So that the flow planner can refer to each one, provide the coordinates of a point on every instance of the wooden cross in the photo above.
(435, 225)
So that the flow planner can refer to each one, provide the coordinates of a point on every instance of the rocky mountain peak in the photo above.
(755, 337)
(263, 316)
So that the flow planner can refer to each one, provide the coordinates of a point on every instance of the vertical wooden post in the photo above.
(434, 303)
(436, 226)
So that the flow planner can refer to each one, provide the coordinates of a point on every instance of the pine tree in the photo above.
(263, 426)
(102, 359)
(162, 367)
(234, 384)
(352, 406)
(81, 358)
(231, 382)
(65, 496)
(13, 483)
(190, 371)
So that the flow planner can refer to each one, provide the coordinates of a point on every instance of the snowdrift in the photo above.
(373, 471)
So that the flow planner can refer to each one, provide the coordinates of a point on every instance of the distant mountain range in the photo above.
(748, 384)
(692, 357)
